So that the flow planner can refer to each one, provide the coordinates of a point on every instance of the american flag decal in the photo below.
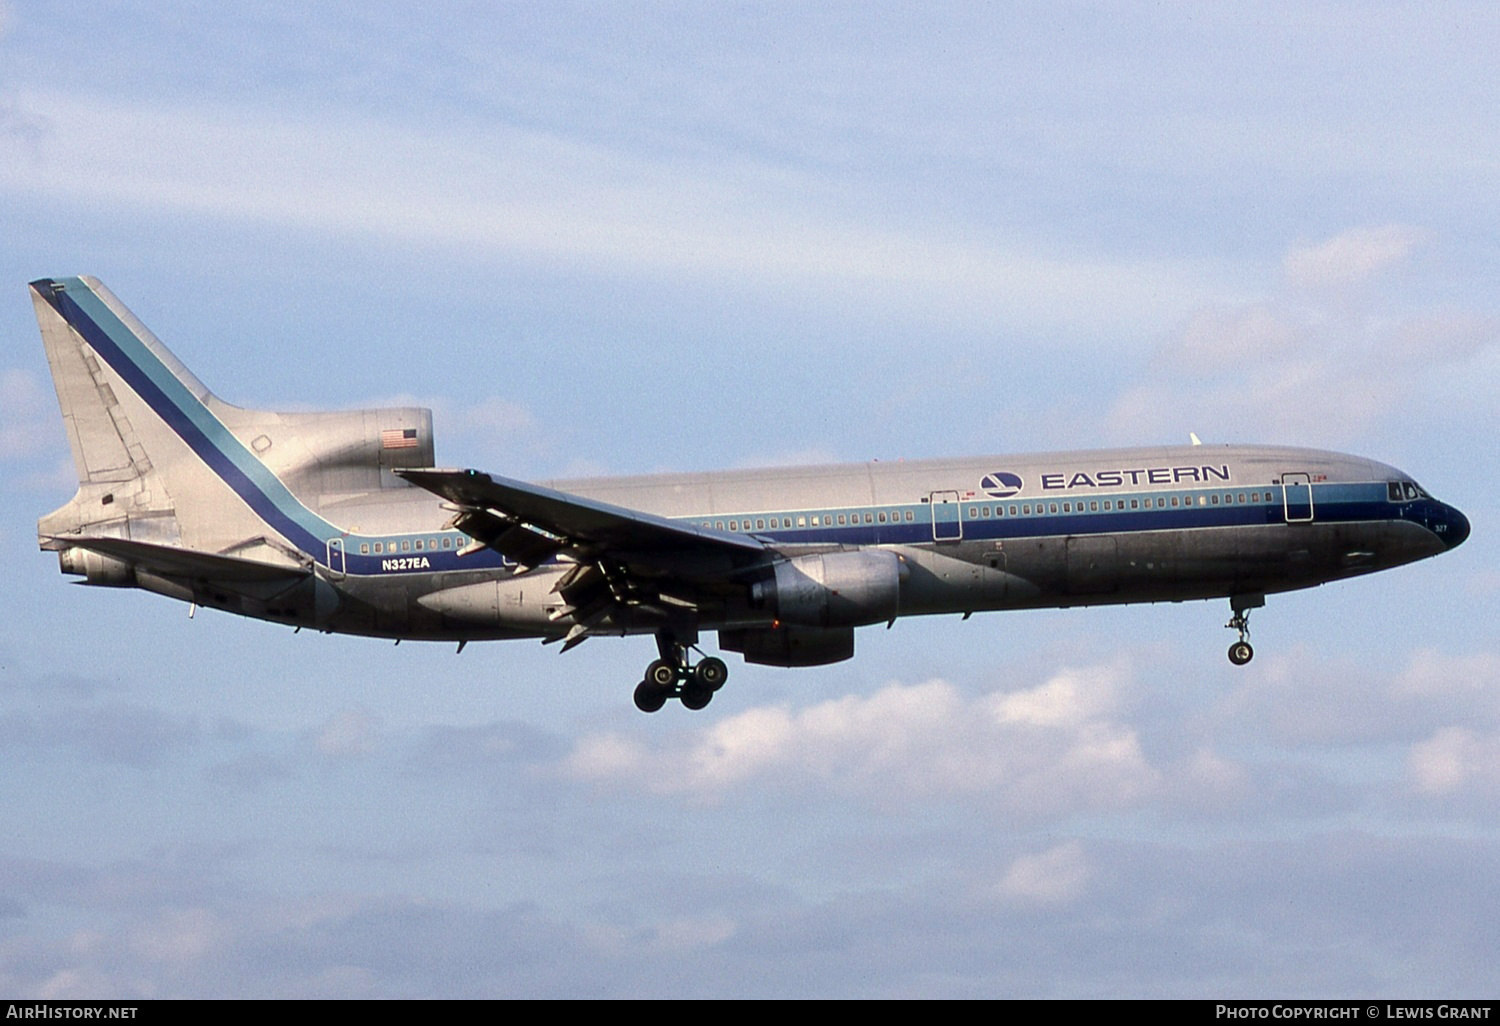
(398, 438)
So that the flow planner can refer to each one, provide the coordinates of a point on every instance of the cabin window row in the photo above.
(409, 545)
(810, 520)
(1115, 505)
(997, 510)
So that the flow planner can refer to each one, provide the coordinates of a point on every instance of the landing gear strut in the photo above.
(1240, 652)
(671, 676)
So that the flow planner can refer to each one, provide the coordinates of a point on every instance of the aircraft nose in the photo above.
(1458, 527)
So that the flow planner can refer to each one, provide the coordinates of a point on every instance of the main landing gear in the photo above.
(1240, 652)
(672, 677)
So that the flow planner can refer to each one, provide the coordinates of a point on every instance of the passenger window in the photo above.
(364, 549)
(1013, 511)
(1094, 506)
(801, 521)
(419, 544)
(882, 518)
(1052, 508)
(406, 546)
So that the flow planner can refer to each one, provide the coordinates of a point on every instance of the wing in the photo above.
(629, 565)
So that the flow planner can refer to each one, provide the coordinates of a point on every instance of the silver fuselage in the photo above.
(1083, 528)
(314, 520)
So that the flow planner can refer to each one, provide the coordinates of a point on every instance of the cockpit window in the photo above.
(1403, 491)
(1393, 491)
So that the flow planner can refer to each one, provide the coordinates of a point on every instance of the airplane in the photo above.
(341, 522)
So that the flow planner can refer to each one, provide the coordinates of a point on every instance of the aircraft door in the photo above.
(947, 516)
(335, 557)
(1297, 498)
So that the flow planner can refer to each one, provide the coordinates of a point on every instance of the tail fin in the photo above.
(106, 447)
(161, 460)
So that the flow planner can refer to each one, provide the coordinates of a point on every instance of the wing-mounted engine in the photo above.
(833, 589)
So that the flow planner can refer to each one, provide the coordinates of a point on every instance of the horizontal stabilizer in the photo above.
(167, 561)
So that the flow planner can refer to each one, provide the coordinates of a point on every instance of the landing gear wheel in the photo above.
(1240, 652)
(710, 674)
(671, 676)
(663, 674)
(650, 696)
(695, 696)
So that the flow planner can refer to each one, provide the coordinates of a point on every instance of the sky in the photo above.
(624, 238)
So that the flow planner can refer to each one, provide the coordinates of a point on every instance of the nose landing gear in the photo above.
(1240, 652)
(671, 676)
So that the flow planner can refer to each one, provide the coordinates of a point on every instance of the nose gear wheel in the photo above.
(1240, 652)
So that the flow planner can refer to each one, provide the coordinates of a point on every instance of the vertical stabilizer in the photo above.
(105, 446)
(161, 460)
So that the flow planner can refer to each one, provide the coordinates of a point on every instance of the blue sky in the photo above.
(619, 238)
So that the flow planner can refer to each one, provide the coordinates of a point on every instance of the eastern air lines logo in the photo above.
(1000, 485)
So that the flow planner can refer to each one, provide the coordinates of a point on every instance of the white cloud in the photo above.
(1045, 750)
(1217, 339)
(1431, 674)
(1302, 699)
(1049, 877)
(350, 732)
(1352, 257)
(1456, 759)
(529, 194)
(1320, 370)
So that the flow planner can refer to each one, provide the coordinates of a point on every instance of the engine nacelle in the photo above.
(339, 453)
(96, 567)
(790, 646)
(834, 589)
